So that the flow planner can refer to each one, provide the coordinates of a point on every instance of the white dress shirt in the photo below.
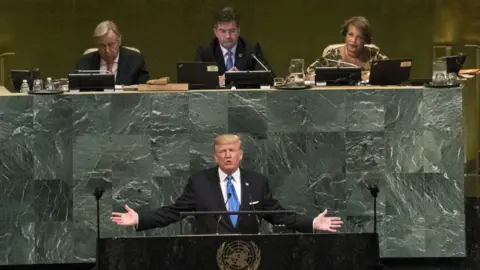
(236, 184)
(225, 55)
(104, 67)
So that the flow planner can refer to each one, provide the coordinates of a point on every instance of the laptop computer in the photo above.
(390, 72)
(17, 77)
(454, 63)
(248, 78)
(338, 75)
(91, 80)
(198, 75)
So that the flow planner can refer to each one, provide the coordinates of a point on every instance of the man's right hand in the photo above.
(221, 81)
(125, 219)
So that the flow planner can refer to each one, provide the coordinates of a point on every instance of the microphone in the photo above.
(98, 192)
(340, 62)
(333, 60)
(229, 195)
(92, 71)
(374, 192)
(258, 61)
(253, 206)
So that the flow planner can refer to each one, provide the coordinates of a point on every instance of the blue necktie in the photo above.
(233, 204)
(229, 64)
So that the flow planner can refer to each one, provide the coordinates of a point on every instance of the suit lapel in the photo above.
(245, 198)
(245, 203)
(96, 61)
(218, 195)
(240, 56)
(218, 55)
(122, 67)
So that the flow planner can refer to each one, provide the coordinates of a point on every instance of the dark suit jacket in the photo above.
(131, 66)
(243, 56)
(203, 193)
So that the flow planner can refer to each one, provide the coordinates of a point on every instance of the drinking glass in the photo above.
(439, 72)
(278, 81)
(451, 78)
(37, 85)
(297, 71)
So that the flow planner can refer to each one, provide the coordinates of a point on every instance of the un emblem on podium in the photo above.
(238, 255)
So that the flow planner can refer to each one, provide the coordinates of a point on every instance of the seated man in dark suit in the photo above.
(222, 188)
(229, 50)
(126, 63)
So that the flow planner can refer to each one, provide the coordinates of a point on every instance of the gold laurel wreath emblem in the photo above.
(257, 256)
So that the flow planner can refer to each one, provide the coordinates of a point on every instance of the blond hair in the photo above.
(226, 139)
(104, 28)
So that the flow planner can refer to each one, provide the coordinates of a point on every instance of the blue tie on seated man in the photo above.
(228, 49)
(226, 186)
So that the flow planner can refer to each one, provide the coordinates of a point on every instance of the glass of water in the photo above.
(37, 85)
(297, 71)
(63, 84)
(451, 78)
(278, 81)
(439, 69)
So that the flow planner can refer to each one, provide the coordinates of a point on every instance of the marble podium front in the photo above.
(320, 149)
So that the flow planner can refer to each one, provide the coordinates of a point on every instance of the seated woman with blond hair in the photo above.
(358, 49)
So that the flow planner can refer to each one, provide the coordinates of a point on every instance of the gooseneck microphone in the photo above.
(253, 205)
(260, 62)
(332, 60)
(229, 195)
(339, 62)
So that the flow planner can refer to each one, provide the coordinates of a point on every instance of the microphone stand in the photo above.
(374, 192)
(260, 62)
(229, 195)
(98, 194)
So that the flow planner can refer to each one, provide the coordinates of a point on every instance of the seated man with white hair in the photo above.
(126, 63)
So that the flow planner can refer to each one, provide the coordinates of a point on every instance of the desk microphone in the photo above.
(229, 195)
(340, 62)
(250, 198)
(332, 60)
(258, 61)
(92, 71)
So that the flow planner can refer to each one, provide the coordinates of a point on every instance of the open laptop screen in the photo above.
(198, 75)
(390, 72)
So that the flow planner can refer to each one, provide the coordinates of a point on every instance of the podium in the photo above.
(241, 252)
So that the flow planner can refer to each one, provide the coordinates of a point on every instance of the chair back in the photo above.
(336, 46)
(90, 50)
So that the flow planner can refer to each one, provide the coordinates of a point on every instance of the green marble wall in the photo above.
(320, 149)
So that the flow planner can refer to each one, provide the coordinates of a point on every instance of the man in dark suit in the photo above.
(230, 51)
(225, 188)
(126, 63)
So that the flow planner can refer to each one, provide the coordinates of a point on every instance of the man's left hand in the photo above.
(323, 223)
